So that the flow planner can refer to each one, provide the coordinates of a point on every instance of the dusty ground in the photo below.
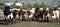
(31, 24)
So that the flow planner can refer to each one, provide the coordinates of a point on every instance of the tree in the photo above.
(43, 5)
(1, 7)
(36, 5)
(27, 6)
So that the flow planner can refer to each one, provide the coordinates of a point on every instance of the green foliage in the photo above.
(1, 7)
(36, 5)
(42, 5)
(27, 6)
(13, 6)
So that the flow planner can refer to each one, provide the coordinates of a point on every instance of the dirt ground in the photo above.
(32, 24)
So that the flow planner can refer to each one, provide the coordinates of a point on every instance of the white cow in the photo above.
(56, 14)
(32, 13)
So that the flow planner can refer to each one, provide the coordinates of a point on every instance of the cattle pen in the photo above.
(28, 24)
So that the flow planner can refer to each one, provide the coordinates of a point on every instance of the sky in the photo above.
(51, 2)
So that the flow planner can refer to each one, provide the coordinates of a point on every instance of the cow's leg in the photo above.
(19, 19)
(47, 19)
(37, 19)
(23, 18)
(53, 20)
(30, 19)
(6, 22)
(14, 20)
(41, 19)
(34, 18)
(7, 19)
(56, 20)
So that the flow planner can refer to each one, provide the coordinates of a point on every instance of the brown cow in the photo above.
(21, 15)
(16, 18)
(29, 14)
(37, 14)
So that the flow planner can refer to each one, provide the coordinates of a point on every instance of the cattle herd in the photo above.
(35, 14)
